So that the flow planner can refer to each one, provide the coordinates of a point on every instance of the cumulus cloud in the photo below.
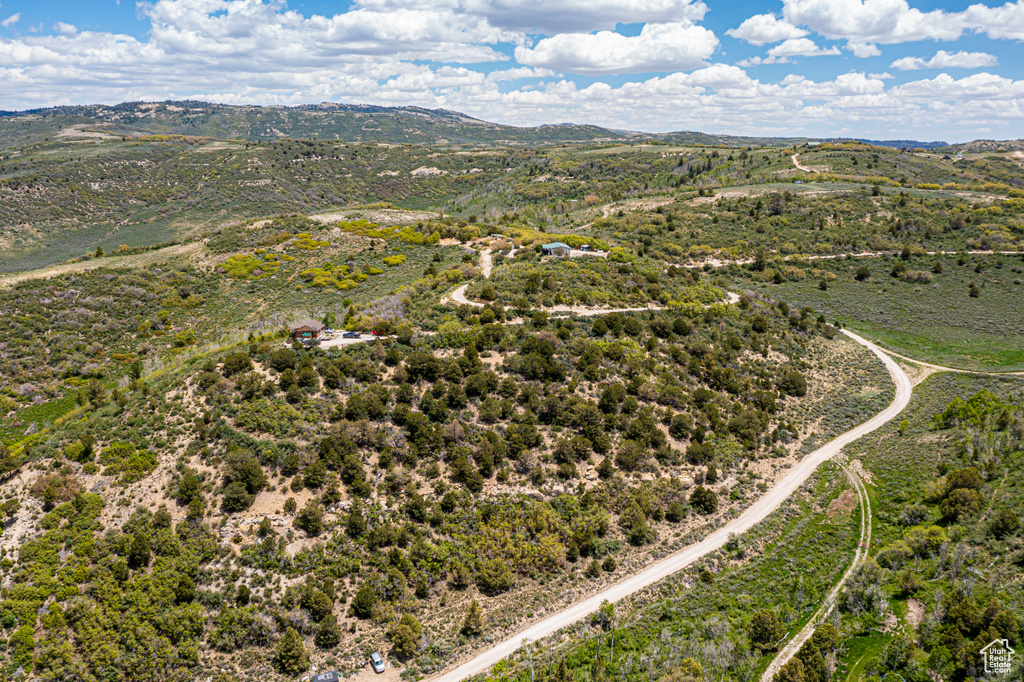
(866, 22)
(801, 47)
(1003, 23)
(794, 47)
(559, 16)
(442, 54)
(863, 50)
(873, 21)
(659, 47)
(761, 29)
(947, 60)
(11, 20)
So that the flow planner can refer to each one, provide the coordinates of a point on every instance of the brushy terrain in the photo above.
(941, 583)
(186, 491)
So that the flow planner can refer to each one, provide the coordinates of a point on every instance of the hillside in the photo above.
(328, 121)
(186, 490)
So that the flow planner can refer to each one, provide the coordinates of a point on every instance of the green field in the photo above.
(936, 321)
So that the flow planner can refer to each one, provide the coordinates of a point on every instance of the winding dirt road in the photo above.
(799, 166)
(660, 570)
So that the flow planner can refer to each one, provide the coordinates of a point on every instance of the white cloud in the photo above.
(659, 47)
(1004, 23)
(406, 52)
(873, 21)
(794, 47)
(66, 29)
(947, 60)
(865, 22)
(503, 75)
(559, 16)
(863, 50)
(765, 28)
(11, 20)
(800, 47)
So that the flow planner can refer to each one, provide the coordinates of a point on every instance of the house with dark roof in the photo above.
(307, 330)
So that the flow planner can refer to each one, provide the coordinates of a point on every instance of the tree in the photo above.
(185, 591)
(96, 393)
(704, 500)
(290, 654)
(494, 576)
(794, 384)
(1005, 523)
(405, 636)
(473, 623)
(236, 363)
(311, 518)
(328, 634)
(688, 670)
(364, 601)
(139, 552)
(765, 629)
(236, 497)
(793, 671)
(959, 503)
(863, 273)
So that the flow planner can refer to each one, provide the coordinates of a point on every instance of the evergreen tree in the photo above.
(328, 634)
(473, 625)
(290, 654)
(406, 635)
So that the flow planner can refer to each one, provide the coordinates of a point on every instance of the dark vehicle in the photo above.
(377, 662)
(351, 335)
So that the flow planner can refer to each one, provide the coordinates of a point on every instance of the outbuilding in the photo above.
(555, 249)
(307, 330)
(331, 676)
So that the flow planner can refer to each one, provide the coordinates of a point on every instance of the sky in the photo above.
(882, 69)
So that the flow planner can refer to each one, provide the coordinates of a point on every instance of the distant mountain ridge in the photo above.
(364, 123)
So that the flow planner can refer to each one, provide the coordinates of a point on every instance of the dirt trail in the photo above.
(486, 264)
(719, 263)
(660, 570)
(939, 368)
(134, 260)
(859, 556)
(799, 166)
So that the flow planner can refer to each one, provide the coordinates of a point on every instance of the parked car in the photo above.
(351, 335)
(377, 662)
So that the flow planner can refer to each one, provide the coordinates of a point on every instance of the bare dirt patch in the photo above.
(841, 507)
(79, 132)
(915, 612)
(381, 216)
(858, 468)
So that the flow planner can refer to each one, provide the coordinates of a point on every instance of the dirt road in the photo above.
(753, 515)
(486, 264)
(799, 166)
(830, 600)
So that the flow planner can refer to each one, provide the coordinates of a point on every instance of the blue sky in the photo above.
(873, 68)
